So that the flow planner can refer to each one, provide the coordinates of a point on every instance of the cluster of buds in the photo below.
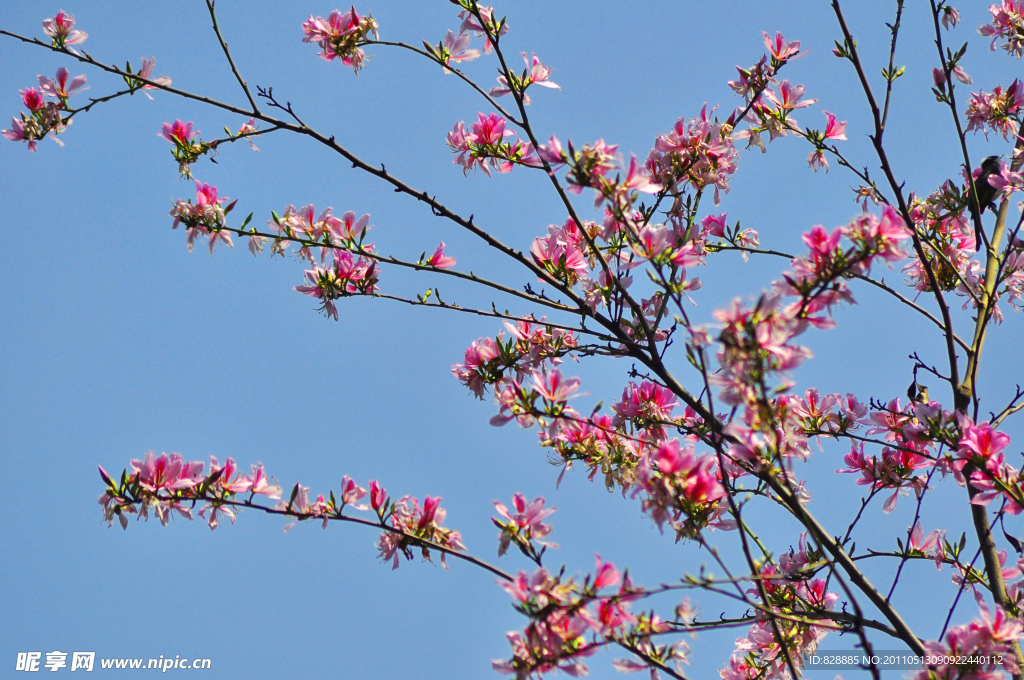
(484, 146)
(340, 36)
(44, 117)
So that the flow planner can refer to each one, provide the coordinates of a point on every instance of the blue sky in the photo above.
(117, 340)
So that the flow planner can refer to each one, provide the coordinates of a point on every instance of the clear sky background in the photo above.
(116, 340)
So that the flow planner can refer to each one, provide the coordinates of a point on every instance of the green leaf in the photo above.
(247, 220)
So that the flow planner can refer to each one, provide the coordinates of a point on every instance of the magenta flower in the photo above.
(440, 260)
(378, 496)
(982, 442)
(352, 493)
(339, 36)
(178, 133)
(33, 99)
(60, 29)
(834, 129)
(61, 89)
(166, 473)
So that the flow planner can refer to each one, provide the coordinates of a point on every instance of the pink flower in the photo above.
(788, 98)
(950, 17)
(60, 29)
(178, 133)
(61, 89)
(470, 23)
(339, 35)
(526, 525)
(378, 496)
(1008, 24)
(834, 129)
(817, 160)
(261, 485)
(33, 99)
(605, 574)
(166, 473)
(552, 387)
(537, 74)
(146, 71)
(440, 260)
(17, 133)
(982, 442)
(453, 48)
(780, 49)
(352, 493)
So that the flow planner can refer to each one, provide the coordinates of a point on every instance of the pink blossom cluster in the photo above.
(302, 226)
(563, 611)
(479, 20)
(772, 113)
(787, 593)
(524, 527)
(61, 29)
(187, 148)
(683, 489)
(998, 110)
(340, 36)
(1008, 25)
(415, 527)
(536, 73)
(752, 81)
(983, 640)
(44, 117)
(694, 154)
(543, 399)
(168, 483)
(563, 253)
(911, 433)
(206, 218)
(483, 146)
(345, 275)
(531, 346)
